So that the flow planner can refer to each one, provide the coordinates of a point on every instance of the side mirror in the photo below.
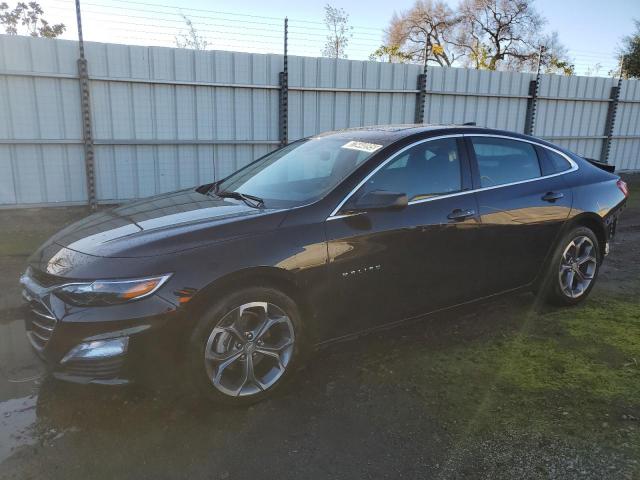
(380, 200)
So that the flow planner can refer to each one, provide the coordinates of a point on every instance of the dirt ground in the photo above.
(506, 389)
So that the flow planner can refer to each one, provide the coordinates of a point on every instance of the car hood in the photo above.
(161, 225)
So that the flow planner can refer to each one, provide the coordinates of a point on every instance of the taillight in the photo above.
(622, 185)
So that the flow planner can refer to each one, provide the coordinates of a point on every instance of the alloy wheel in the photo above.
(578, 266)
(249, 349)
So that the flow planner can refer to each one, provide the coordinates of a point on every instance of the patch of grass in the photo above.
(611, 322)
(24, 230)
(21, 243)
(597, 352)
(568, 371)
(633, 181)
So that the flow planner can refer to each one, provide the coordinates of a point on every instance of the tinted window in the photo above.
(428, 169)
(556, 161)
(501, 160)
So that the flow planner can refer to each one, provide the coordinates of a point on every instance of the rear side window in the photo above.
(556, 161)
(501, 160)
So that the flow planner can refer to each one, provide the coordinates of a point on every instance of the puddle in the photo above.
(20, 371)
(19, 365)
(17, 422)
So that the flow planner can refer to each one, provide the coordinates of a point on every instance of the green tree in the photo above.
(26, 19)
(563, 67)
(390, 54)
(629, 54)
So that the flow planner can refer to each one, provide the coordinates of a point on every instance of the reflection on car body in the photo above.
(327, 237)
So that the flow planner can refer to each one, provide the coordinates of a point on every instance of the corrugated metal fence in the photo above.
(167, 118)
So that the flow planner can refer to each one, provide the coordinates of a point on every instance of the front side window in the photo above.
(301, 172)
(501, 160)
(425, 170)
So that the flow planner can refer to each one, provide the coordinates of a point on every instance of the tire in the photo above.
(253, 340)
(567, 281)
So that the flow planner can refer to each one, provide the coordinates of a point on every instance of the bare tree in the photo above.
(337, 22)
(483, 34)
(191, 39)
(555, 57)
(428, 26)
(26, 19)
(496, 34)
(593, 70)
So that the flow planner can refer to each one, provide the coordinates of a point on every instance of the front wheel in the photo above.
(246, 345)
(574, 267)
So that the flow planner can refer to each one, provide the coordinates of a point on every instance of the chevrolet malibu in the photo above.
(329, 237)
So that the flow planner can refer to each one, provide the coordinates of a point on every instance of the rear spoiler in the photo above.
(604, 166)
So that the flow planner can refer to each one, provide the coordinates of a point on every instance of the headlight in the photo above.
(109, 292)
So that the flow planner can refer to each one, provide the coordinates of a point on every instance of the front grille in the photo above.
(40, 322)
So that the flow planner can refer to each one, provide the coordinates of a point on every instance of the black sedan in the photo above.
(326, 238)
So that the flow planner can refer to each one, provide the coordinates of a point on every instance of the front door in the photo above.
(387, 265)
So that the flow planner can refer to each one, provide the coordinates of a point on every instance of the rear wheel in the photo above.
(246, 345)
(574, 267)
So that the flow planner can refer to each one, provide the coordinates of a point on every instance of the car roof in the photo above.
(388, 134)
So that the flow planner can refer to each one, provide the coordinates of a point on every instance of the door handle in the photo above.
(552, 196)
(459, 214)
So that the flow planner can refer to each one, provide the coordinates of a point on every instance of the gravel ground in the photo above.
(501, 390)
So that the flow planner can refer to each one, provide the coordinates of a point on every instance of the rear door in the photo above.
(522, 207)
(387, 265)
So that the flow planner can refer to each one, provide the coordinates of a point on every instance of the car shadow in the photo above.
(336, 418)
(61, 405)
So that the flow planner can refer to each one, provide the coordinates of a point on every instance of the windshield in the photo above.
(301, 172)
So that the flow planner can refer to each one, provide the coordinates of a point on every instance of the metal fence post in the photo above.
(532, 102)
(83, 75)
(611, 121)
(283, 112)
(422, 87)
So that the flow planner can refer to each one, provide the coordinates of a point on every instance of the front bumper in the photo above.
(153, 329)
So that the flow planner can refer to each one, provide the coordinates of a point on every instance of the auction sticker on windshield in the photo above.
(362, 146)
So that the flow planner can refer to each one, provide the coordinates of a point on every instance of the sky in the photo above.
(590, 29)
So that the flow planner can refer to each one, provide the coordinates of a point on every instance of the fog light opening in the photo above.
(99, 349)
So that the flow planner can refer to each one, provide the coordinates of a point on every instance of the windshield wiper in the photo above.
(250, 200)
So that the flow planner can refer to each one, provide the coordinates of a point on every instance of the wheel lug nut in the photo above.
(249, 335)
(238, 345)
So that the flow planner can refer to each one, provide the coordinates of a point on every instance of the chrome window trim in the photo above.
(574, 166)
